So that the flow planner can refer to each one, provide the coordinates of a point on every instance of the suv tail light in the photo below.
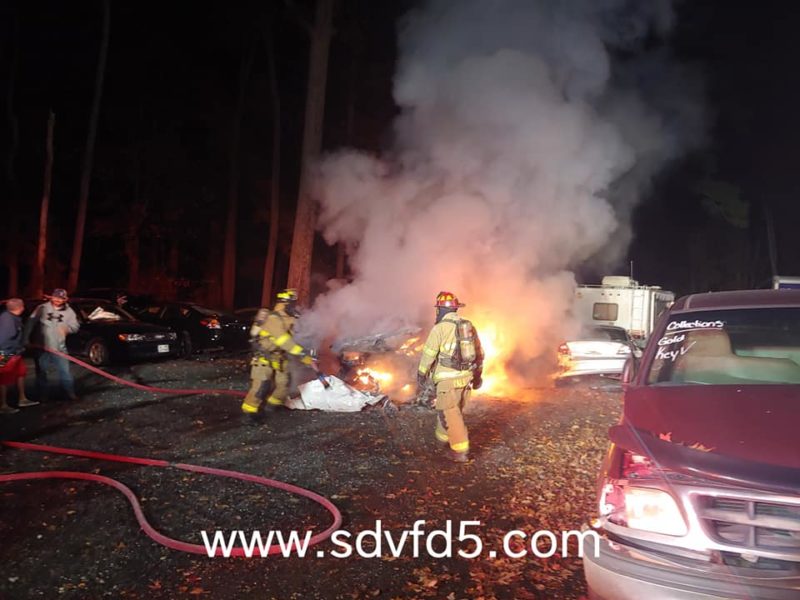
(211, 323)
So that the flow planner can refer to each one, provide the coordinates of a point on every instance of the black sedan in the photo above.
(198, 327)
(108, 334)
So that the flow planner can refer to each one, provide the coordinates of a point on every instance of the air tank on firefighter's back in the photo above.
(466, 335)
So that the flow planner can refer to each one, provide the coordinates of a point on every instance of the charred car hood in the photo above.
(742, 434)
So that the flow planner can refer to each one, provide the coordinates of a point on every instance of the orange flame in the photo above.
(495, 354)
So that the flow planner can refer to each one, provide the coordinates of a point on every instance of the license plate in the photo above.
(163, 347)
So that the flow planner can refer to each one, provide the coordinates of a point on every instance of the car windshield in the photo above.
(736, 347)
(101, 311)
(607, 334)
(209, 312)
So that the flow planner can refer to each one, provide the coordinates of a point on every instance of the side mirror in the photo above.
(629, 370)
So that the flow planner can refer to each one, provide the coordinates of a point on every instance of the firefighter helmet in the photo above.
(447, 300)
(287, 296)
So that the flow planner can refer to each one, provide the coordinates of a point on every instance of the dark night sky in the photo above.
(170, 92)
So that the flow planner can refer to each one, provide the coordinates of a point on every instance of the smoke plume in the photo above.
(528, 133)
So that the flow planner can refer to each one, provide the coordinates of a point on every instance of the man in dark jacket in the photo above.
(12, 367)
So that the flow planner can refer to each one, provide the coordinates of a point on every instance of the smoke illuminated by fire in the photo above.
(520, 152)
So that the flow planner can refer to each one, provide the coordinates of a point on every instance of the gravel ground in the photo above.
(534, 467)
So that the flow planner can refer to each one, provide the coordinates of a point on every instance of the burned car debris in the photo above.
(381, 363)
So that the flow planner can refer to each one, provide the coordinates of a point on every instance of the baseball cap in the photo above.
(59, 293)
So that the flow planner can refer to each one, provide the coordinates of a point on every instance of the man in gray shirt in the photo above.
(51, 323)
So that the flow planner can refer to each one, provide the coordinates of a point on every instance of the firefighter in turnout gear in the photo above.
(273, 343)
(454, 355)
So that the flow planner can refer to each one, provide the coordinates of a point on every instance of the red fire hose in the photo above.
(128, 493)
(140, 386)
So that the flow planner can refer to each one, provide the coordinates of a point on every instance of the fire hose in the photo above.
(149, 530)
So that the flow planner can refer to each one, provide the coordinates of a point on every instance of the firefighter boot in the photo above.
(280, 392)
(459, 457)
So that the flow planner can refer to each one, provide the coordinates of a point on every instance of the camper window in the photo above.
(605, 311)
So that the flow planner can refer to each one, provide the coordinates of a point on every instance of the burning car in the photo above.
(381, 363)
(699, 494)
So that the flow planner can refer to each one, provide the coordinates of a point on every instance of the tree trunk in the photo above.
(275, 187)
(305, 218)
(13, 237)
(41, 250)
(341, 249)
(229, 252)
(772, 244)
(88, 157)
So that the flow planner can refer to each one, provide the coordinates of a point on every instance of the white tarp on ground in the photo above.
(339, 397)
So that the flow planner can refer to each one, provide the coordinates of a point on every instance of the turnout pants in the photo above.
(268, 382)
(450, 427)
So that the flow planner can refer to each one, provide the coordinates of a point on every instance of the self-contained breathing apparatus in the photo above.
(465, 354)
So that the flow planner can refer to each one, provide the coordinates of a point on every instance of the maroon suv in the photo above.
(699, 495)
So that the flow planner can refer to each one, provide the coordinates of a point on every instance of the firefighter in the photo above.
(453, 345)
(272, 338)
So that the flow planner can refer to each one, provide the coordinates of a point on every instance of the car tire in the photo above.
(186, 348)
(97, 352)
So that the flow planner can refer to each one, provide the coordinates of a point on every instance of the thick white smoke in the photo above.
(521, 149)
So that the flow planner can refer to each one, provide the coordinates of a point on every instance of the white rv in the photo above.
(621, 301)
(780, 282)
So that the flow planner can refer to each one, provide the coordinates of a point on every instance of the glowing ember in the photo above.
(365, 374)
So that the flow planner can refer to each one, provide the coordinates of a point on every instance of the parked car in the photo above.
(198, 327)
(602, 350)
(246, 315)
(699, 494)
(109, 334)
(133, 302)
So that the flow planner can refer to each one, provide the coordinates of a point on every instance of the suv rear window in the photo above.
(737, 347)
(608, 334)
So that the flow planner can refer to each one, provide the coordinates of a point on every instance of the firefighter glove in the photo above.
(421, 380)
(307, 359)
(477, 380)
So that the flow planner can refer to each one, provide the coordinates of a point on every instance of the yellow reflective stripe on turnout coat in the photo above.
(442, 340)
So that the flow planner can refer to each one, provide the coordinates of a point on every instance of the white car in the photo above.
(602, 350)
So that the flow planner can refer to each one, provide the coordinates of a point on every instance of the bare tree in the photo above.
(229, 253)
(305, 217)
(44, 211)
(88, 156)
(772, 244)
(275, 186)
(13, 238)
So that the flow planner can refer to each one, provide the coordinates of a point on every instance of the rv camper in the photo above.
(781, 282)
(621, 301)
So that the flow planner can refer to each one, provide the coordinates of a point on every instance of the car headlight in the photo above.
(130, 337)
(653, 510)
(172, 335)
(647, 509)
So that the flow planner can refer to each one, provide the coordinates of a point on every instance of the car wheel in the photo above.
(97, 352)
(186, 345)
